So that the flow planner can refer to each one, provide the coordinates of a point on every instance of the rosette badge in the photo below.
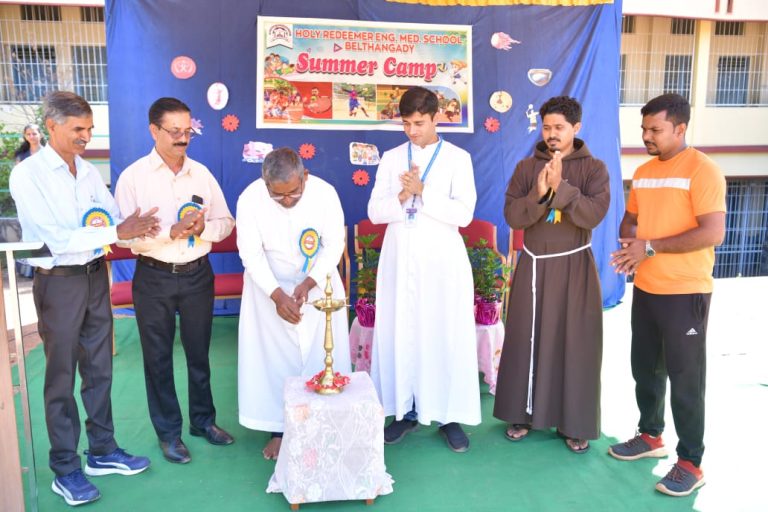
(98, 218)
(183, 211)
(309, 244)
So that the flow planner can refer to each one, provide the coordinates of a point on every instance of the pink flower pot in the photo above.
(487, 313)
(366, 312)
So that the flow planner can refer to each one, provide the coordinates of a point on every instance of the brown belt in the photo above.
(173, 268)
(72, 270)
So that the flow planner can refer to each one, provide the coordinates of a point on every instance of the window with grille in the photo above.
(627, 24)
(737, 74)
(729, 28)
(40, 13)
(732, 80)
(677, 75)
(34, 72)
(744, 251)
(657, 58)
(682, 26)
(92, 14)
(90, 70)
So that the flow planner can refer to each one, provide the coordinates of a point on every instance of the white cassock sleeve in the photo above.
(250, 243)
(332, 239)
(384, 207)
(458, 207)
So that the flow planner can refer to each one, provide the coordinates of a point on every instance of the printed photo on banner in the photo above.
(342, 74)
(361, 153)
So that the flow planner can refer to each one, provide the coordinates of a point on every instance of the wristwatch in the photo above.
(649, 251)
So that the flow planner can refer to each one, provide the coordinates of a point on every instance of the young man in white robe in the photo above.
(280, 334)
(424, 361)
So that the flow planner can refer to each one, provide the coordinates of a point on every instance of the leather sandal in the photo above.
(517, 431)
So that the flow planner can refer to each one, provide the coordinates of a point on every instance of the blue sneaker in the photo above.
(118, 462)
(75, 488)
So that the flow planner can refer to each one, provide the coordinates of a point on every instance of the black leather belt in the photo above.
(173, 268)
(72, 270)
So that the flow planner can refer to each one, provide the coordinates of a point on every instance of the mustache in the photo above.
(553, 140)
(181, 144)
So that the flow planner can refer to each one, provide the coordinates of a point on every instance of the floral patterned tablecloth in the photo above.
(333, 445)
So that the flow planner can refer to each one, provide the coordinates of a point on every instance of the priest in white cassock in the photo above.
(290, 234)
(424, 360)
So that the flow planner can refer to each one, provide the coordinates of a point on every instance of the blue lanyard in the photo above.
(431, 161)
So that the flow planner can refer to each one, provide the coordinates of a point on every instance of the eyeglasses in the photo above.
(177, 134)
(280, 197)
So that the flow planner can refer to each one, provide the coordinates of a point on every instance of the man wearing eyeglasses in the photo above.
(290, 233)
(173, 274)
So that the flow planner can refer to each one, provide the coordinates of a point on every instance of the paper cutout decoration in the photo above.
(183, 67)
(539, 76)
(501, 101)
(307, 151)
(98, 218)
(197, 126)
(492, 124)
(502, 41)
(533, 122)
(254, 152)
(361, 177)
(218, 95)
(230, 122)
(361, 153)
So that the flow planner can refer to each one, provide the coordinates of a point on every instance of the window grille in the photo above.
(657, 57)
(627, 24)
(92, 14)
(744, 251)
(737, 74)
(36, 58)
(40, 13)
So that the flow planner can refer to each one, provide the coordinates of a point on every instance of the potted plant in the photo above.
(490, 274)
(367, 267)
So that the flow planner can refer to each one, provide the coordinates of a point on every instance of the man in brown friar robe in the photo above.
(549, 376)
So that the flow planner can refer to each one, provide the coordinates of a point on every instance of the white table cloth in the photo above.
(333, 445)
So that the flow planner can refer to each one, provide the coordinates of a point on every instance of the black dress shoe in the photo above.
(213, 434)
(175, 451)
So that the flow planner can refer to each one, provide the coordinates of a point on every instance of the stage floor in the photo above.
(538, 474)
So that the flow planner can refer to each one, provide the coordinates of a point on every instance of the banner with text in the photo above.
(341, 74)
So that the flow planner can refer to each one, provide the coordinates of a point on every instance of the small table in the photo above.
(360, 343)
(333, 445)
(490, 340)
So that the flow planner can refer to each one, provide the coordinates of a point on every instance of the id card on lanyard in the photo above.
(412, 211)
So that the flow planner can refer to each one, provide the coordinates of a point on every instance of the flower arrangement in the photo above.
(368, 264)
(490, 274)
(315, 383)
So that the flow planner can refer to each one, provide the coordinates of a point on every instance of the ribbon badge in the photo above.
(98, 218)
(309, 244)
(554, 216)
(184, 210)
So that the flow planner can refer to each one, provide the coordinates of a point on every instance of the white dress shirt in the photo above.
(149, 182)
(51, 204)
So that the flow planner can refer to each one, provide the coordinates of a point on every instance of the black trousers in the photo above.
(75, 323)
(158, 295)
(669, 334)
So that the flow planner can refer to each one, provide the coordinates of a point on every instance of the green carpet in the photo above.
(538, 474)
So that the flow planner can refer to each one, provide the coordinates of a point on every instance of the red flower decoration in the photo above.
(339, 381)
(307, 151)
(361, 177)
(492, 124)
(230, 122)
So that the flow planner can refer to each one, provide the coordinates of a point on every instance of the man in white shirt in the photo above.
(173, 274)
(424, 360)
(62, 201)
(281, 219)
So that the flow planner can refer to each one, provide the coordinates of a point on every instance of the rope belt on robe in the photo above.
(529, 403)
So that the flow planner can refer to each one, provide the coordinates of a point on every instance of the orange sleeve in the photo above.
(708, 189)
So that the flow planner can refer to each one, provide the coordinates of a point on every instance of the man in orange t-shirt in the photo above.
(675, 217)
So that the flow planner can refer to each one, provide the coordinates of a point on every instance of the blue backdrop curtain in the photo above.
(579, 44)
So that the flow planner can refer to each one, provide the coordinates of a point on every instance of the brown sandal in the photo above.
(519, 431)
(573, 443)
